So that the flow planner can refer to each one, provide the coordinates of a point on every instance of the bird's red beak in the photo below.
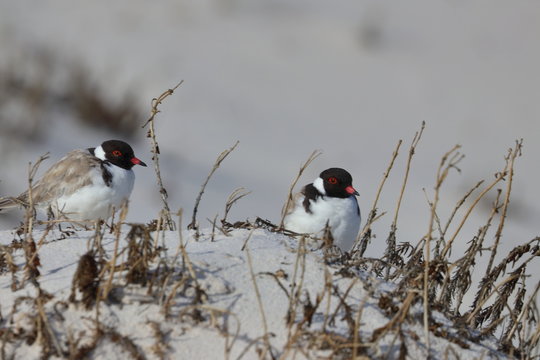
(351, 190)
(136, 161)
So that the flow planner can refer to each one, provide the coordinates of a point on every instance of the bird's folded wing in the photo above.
(65, 177)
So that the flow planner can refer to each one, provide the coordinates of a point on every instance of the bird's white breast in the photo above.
(97, 199)
(342, 216)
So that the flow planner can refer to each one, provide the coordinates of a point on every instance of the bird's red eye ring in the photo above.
(116, 153)
(332, 180)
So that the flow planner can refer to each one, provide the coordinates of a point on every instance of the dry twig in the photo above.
(194, 225)
(364, 237)
(390, 254)
(166, 213)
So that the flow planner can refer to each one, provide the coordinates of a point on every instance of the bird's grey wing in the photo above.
(72, 172)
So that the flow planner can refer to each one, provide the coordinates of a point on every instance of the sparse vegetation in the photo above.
(422, 300)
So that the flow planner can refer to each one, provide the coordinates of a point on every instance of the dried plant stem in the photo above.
(471, 316)
(458, 206)
(160, 347)
(448, 245)
(251, 343)
(294, 295)
(30, 208)
(442, 173)
(328, 292)
(391, 241)
(412, 149)
(342, 301)
(356, 335)
(288, 203)
(219, 160)
(522, 314)
(30, 211)
(112, 263)
(259, 302)
(31, 253)
(487, 282)
(39, 245)
(367, 227)
(188, 263)
(159, 229)
(465, 264)
(373, 212)
(233, 197)
(47, 326)
(397, 319)
(386, 174)
(155, 151)
(533, 340)
(228, 344)
(180, 214)
(513, 154)
(296, 288)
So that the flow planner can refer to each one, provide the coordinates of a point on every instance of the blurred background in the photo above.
(284, 78)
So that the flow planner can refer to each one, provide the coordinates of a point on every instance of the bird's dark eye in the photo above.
(332, 180)
(117, 153)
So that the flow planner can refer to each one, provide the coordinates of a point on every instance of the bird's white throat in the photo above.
(99, 153)
(319, 185)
